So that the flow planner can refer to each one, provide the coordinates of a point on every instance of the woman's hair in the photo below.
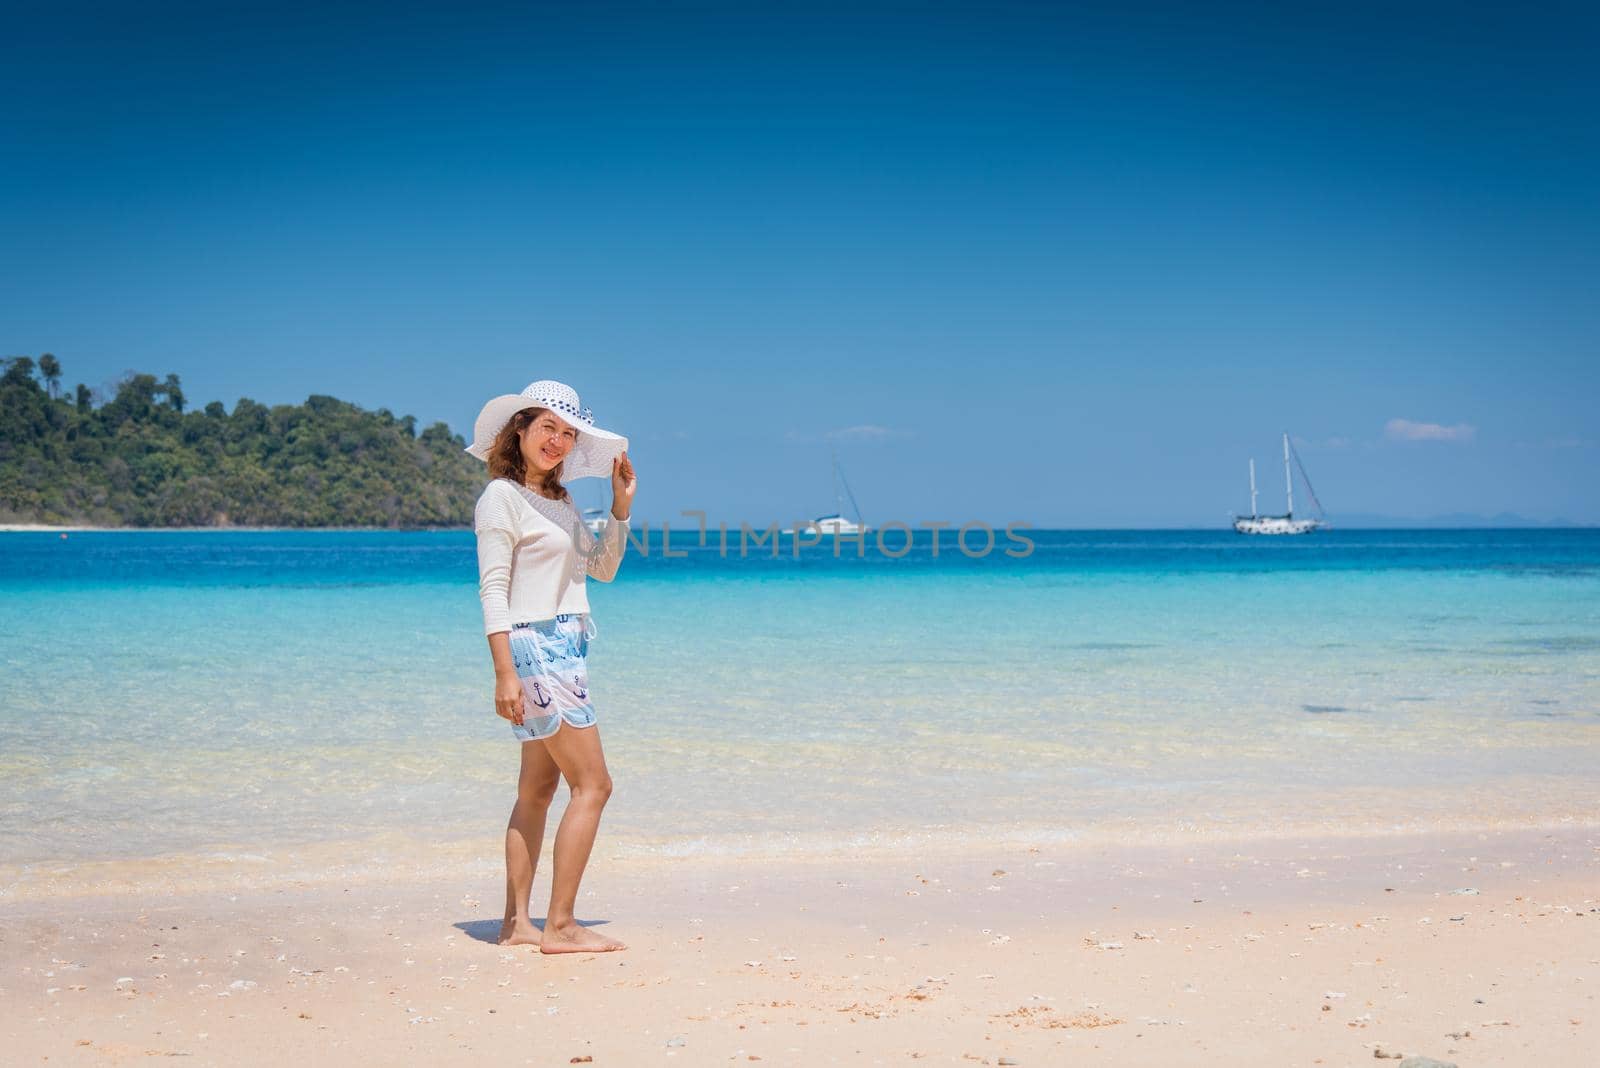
(505, 456)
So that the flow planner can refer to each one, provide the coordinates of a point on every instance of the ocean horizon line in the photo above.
(693, 532)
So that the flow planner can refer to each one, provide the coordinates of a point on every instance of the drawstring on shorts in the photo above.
(546, 648)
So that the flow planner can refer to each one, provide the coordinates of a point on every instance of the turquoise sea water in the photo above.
(220, 692)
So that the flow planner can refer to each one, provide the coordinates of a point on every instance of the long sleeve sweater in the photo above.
(534, 555)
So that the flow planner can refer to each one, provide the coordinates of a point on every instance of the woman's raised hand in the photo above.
(508, 698)
(623, 483)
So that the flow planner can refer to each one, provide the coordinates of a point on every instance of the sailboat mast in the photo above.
(1288, 481)
(1253, 511)
(838, 473)
(1310, 489)
(838, 498)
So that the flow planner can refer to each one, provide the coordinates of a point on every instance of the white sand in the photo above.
(1258, 954)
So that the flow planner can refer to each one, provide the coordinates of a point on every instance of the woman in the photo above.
(534, 554)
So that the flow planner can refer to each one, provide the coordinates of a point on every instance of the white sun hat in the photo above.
(590, 458)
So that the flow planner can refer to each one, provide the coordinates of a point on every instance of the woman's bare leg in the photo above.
(576, 751)
(536, 787)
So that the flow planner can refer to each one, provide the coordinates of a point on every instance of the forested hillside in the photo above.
(145, 458)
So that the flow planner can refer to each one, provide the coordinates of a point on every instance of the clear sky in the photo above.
(1068, 264)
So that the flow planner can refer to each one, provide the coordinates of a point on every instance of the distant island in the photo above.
(145, 459)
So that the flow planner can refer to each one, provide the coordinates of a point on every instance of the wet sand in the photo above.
(1469, 948)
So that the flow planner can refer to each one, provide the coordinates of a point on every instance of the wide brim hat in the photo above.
(595, 450)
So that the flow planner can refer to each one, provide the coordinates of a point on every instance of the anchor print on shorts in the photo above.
(534, 692)
(549, 658)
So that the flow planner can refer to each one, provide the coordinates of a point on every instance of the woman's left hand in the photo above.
(623, 483)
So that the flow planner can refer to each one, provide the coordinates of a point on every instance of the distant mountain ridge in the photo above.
(143, 460)
(1449, 521)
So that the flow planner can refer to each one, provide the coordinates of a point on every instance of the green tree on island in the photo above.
(50, 368)
(141, 459)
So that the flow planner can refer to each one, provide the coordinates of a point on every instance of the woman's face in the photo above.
(546, 442)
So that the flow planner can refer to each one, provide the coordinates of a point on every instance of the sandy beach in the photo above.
(1476, 949)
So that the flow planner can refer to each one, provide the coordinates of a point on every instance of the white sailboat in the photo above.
(835, 522)
(1256, 523)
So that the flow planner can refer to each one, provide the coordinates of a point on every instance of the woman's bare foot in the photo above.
(576, 938)
(515, 932)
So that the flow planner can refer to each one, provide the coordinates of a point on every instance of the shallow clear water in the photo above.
(185, 693)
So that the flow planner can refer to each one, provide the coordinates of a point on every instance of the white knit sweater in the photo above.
(529, 566)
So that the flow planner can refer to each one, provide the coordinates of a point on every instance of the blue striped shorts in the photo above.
(550, 657)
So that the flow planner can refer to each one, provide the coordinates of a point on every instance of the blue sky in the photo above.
(1064, 264)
